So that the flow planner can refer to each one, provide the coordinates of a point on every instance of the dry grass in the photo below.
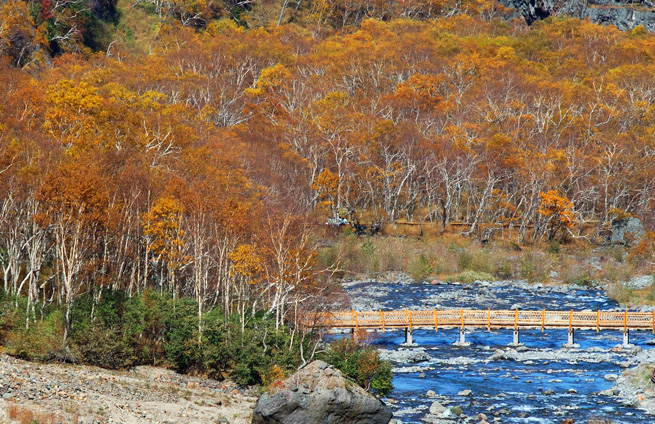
(449, 257)
(26, 415)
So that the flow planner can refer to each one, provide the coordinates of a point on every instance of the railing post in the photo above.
(543, 320)
(570, 319)
(653, 322)
(516, 319)
(489, 319)
(625, 321)
(597, 321)
(435, 315)
(410, 320)
(382, 319)
(461, 313)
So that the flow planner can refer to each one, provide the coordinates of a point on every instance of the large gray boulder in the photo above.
(319, 394)
(627, 231)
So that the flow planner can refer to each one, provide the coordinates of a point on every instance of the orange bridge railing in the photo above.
(478, 318)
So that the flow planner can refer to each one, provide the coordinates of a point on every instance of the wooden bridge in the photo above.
(488, 319)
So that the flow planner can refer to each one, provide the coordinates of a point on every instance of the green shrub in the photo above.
(464, 260)
(534, 267)
(362, 364)
(503, 270)
(554, 247)
(42, 340)
(421, 267)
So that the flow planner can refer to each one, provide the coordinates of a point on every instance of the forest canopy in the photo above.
(192, 147)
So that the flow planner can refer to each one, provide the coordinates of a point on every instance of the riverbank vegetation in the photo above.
(456, 258)
(194, 150)
(121, 331)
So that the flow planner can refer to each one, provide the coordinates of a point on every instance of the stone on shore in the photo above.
(319, 394)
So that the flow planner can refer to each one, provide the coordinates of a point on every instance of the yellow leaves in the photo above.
(163, 226)
(71, 114)
(153, 99)
(638, 32)
(223, 26)
(247, 263)
(269, 81)
(74, 97)
(506, 53)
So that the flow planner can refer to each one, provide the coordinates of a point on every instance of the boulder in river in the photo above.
(437, 408)
(319, 394)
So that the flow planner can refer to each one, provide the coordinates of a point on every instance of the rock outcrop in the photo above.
(319, 394)
(627, 231)
(623, 14)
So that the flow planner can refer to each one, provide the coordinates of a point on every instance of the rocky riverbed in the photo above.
(82, 394)
(539, 382)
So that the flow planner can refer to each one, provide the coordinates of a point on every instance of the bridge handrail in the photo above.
(480, 318)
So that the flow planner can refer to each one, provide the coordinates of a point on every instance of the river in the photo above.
(538, 383)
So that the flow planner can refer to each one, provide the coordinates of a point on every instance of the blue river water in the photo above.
(548, 385)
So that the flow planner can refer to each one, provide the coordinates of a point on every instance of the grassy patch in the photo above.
(468, 277)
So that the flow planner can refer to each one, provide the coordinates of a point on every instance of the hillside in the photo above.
(167, 168)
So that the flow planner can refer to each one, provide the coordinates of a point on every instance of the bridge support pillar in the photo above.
(570, 339)
(626, 339)
(462, 339)
(515, 339)
(409, 341)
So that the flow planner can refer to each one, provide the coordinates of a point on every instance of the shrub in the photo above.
(42, 339)
(362, 364)
(554, 247)
(421, 267)
(464, 260)
(503, 270)
(534, 267)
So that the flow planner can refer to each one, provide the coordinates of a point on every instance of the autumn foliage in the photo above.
(198, 157)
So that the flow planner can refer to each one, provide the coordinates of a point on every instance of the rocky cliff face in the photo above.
(623, 14)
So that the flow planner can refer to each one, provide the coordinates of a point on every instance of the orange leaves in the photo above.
(20, 38)
(557, 210)
(325, 185)
(76, 191)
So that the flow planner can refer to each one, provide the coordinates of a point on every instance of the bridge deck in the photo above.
(489, 319)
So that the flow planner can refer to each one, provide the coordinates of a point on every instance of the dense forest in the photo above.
(193, 148)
